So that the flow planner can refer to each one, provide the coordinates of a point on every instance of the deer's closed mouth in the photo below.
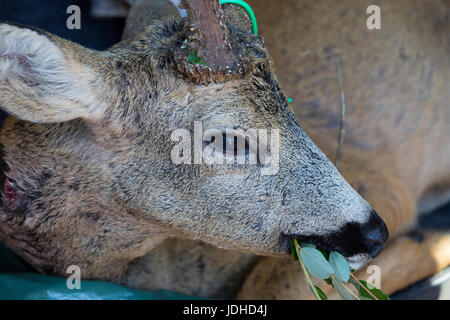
(356, 241)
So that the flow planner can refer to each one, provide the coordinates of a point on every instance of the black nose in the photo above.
(353, 238)
(374, 234)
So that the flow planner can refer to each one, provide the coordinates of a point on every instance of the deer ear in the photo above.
(44, 78)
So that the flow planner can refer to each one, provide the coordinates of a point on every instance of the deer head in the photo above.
(90, 176)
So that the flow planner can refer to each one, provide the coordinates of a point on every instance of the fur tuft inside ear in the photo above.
(42, 80)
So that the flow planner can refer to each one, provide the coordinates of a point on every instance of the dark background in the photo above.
(50, 15)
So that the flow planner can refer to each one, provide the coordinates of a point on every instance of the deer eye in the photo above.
(232, 144)
(229, 143)
(236, 146)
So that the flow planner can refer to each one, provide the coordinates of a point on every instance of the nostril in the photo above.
(374, 234)
(373, 245)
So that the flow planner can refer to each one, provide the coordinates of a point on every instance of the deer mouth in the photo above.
(359, 243)
(355, 260)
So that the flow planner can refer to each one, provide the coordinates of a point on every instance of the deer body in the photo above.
(90, 182)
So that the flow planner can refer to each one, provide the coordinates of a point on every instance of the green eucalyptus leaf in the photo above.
(337, 284)
(329, 281)
(380, 295)
(315, 263)
(307, 245)
(358, 286)
(340, 266)
(322, 295)
(294, 251)
(325, 254)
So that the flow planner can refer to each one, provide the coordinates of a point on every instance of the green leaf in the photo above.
(340, 266)
(322, 295)
(193, 58)
(315, 263)
(294, 251)
(325, 254)
(329, 281)
(380, 295)
(337, 284)
(307, 245)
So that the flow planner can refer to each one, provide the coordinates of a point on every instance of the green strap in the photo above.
(251, 15)
(247, 8)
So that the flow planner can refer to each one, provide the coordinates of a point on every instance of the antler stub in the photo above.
(208, 39)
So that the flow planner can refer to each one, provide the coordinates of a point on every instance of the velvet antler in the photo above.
(208, 42)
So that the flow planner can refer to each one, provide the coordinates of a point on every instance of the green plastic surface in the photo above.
(18, 282)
